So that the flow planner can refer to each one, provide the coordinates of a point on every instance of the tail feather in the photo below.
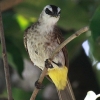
(67, 93)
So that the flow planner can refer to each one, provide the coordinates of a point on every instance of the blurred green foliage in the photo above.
(14, 41)
(94, 42)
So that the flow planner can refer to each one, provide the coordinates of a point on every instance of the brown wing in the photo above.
(25, 38)
(67, 93)
(60, 40)
(26, 32)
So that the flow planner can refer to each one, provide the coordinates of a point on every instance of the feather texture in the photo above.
(40, 40)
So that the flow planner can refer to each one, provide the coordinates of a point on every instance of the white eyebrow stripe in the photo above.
(50, 8)
(58, 9)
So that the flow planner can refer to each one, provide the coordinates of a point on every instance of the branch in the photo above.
(35, 92)
(4, 55)
(73, 36)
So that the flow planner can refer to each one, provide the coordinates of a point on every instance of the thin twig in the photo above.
(4, 55)
(73, 36)
(35, 92)
(76, 34)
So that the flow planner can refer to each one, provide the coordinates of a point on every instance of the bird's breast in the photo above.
(40, 47)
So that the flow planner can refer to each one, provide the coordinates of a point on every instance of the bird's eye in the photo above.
(48, 11)
(59, 12)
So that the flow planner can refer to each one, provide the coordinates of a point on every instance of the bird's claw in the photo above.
(38, 85)
(48, 64)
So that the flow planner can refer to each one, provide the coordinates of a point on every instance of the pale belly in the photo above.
(40, 49)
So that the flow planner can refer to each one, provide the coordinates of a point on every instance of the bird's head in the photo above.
(50, 14)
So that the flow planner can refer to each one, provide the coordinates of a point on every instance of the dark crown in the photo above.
(53, 12)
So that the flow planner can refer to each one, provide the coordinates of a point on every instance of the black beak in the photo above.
(55, 15)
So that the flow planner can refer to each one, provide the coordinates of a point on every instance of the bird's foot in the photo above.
(38, 85)
(48, 64)
(58, 64)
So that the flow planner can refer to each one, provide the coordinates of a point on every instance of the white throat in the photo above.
(47, 23)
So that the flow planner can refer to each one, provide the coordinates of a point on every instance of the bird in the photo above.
(40, 40)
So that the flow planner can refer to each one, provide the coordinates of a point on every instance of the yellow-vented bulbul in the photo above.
(40, 40)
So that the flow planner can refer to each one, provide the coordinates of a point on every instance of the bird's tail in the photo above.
(67, 93)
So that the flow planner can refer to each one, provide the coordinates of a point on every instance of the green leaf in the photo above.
(16, 56)
(95, 33)
(94, 42)
(95, 25)
(20, 94)
(14, 43)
